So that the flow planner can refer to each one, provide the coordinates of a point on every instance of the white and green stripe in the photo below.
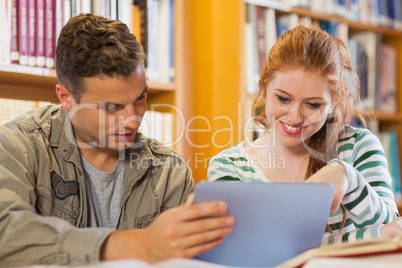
(369, 201)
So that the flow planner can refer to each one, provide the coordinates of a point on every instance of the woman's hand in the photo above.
(335, 174)
(392, 229)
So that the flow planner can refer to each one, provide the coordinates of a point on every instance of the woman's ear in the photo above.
(332, 107)
(65, 97)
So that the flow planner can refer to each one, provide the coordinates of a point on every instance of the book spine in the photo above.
(3, 25)
(153, 39)
(23, 31)
(49, 33)
(171, 41)
(8, 33)
(40, 33)
(260, 37)
(59, 20)
(32, 33)
(66, 11)
(15, 54)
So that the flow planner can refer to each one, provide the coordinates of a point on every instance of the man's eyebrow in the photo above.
(143, 92)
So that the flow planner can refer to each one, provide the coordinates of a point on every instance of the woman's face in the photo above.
(297, 105)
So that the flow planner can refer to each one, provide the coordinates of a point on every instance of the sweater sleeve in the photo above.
(369, 201)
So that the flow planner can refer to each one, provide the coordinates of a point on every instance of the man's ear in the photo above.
(65, 97)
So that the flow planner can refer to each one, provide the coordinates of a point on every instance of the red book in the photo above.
(260, 36)
(40, 33)
(49, 34)
(15, 54)
(31, 33)
(22, 16)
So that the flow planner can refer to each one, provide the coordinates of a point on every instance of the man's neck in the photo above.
(102, 159)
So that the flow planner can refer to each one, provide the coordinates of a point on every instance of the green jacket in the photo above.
(43, 205)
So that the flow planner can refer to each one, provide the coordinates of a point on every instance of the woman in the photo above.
(304, 103)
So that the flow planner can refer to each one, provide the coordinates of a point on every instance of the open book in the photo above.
(359, 248)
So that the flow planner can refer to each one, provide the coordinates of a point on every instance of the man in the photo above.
(79, 184)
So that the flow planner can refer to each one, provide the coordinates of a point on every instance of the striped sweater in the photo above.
(369, 201)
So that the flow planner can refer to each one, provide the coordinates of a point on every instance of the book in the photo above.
(370, 42)
(22, 16)
(360, 248)
(40, 33)
(32, 32)
(49, 33)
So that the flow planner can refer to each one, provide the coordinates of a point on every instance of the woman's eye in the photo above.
(314, 105)
(282, 99)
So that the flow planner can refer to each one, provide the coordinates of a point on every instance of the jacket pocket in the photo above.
(47, 205)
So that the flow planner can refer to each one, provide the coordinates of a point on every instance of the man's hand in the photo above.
(181, 232)
(335, 174)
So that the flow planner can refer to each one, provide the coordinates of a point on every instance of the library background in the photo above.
(203, 63)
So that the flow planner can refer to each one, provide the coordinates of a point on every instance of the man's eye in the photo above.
(111, 107)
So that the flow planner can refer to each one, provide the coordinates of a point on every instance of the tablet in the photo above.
(273, 221)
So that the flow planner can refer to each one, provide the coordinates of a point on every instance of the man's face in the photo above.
(110, 111)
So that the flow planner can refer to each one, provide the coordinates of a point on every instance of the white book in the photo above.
(168, 129)
(66, 11)
(252, 62)
(270, 29)
(145, 127)
(163, 41)
(113, 9)
(152, 52)
(317, 6)
(86, 6)
(158, 126)
(124, 12)
(3, 22)
(8, 33)
(362, 14)
(274, 4)
(96, 7)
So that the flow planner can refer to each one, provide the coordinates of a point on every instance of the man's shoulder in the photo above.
(39, 118)
(156, 151)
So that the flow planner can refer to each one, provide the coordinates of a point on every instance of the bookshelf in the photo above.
(38, 84)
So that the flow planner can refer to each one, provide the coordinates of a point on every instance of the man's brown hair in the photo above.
(90, 46)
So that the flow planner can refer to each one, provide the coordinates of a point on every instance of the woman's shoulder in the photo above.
(353, 134)
(234, 151)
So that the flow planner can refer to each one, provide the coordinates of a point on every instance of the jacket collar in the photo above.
(139, 156)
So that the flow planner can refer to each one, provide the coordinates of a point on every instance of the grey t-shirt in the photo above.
(104, 191)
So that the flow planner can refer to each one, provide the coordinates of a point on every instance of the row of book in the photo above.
(387, 13)
(29, 30)
(156, 125)
(389, 140)
(153, 25)
(12, 108)
(374, 62)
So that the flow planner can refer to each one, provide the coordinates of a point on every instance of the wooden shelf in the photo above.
(382, 116)
(399, 206)
(23, 82)
(353, 25)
